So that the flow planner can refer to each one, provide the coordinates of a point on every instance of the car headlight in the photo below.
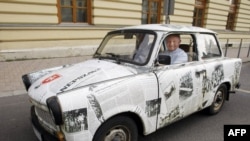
(26, 81)
(55, 109)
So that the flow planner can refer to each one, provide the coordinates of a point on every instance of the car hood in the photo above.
(77, 75)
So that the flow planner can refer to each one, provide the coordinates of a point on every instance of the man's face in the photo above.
(173, 42)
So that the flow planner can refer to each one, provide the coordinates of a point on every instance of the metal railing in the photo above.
(239, 48)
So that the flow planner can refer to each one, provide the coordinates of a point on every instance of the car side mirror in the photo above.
(164, 59)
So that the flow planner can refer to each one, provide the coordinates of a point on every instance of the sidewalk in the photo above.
(11, 72)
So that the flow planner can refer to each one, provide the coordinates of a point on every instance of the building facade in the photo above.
(64, 28)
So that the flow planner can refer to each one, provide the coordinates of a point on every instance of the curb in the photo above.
(12, 93)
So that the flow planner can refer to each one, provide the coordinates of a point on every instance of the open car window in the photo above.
(187, 44)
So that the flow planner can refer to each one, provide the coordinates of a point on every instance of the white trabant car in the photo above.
(116, 96)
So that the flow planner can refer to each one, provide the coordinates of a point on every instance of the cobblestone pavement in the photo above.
(11, 72)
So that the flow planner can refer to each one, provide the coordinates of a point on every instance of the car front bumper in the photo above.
(40, 132)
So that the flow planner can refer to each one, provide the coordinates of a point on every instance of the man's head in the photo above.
(173, 41)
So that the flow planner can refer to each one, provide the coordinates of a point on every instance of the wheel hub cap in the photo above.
(218, 99)
(116, 135)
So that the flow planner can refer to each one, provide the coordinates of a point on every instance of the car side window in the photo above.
(208, 46)
(187, 46)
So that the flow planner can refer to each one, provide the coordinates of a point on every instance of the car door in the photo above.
(180, 91)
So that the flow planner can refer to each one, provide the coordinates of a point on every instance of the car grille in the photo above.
(45, 119)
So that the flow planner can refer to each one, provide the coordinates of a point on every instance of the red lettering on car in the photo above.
(51, 78)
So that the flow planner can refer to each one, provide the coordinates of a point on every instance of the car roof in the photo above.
(168, 28)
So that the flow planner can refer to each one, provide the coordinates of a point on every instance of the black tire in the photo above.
(219, 100)
(120, 128)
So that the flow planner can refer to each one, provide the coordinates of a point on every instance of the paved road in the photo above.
(14, 120)
(15, 124)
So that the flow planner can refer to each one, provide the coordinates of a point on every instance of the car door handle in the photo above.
(199, 73)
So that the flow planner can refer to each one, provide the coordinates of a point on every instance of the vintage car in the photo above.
(118, 96)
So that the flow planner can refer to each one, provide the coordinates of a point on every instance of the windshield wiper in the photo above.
(117, 57)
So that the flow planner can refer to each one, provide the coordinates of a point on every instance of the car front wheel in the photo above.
(219, 100)
(120, 128)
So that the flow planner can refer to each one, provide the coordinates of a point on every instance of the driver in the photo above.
(177, 55)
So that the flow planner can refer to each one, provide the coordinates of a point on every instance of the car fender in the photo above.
(98, 100)
(128, 110)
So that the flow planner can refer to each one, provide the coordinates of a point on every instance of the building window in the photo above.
(74, 11)
(231, 15)
(199, 12)
(151, 11)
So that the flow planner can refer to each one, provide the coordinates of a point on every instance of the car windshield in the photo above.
(131, 47)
